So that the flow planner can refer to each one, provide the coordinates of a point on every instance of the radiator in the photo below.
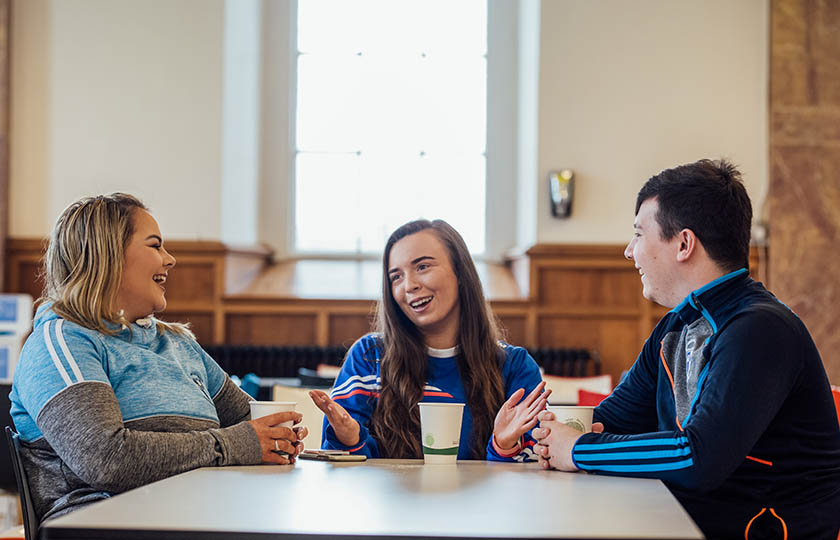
(568, 362)
(284, 361)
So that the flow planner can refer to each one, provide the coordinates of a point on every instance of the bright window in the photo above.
(391, 120)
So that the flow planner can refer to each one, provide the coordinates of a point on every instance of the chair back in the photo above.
(313, 418)
(564, 390)
(30, 520)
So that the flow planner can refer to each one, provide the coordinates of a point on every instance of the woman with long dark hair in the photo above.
(437, 341)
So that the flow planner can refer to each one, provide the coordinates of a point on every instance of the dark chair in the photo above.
(30, 520)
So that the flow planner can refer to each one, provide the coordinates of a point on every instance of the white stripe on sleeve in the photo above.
(351, 380)
(70, 360)
(56, 360)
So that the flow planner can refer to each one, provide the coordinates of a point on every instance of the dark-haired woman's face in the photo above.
(425, 287)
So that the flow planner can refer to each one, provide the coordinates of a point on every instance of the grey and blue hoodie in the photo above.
(101, 414)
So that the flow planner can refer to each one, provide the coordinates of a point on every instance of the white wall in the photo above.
(117, 95)
(630, 88)
(130, 95)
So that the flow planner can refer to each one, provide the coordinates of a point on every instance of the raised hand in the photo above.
(279, 445)
(345, 426)
(517, 416)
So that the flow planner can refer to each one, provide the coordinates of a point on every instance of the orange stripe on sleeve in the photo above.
(671, 378)
(762, 461)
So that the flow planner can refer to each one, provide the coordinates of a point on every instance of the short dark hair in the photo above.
(709, 198)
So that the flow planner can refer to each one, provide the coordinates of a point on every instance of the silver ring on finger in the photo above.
(276, 447)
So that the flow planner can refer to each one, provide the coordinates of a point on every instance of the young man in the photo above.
(728, 402)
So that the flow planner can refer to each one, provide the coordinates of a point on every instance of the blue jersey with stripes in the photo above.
(729, 404)
(357, 390)
(151, 373)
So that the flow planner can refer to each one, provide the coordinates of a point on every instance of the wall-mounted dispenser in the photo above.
(561, 186)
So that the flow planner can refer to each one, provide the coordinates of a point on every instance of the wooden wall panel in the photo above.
(192, 281)
(345, 329)
(514, 328)
(598, 288)
(804, 194)
(200, 323)
(271, 329)
(30, 279)
(616, 340)
(581, 296)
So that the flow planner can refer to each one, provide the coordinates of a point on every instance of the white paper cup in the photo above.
(264, 408)
(440, 427)
(576, 416)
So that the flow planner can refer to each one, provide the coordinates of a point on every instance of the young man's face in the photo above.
(654, 258)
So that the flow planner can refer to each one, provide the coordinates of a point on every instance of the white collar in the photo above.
(443, 353)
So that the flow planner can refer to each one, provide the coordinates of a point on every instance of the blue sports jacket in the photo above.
(729, 404)
(358, 384)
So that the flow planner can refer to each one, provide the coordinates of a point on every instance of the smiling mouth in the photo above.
(420, 303)
(160, 279)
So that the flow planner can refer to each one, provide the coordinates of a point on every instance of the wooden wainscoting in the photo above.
(195, 289)
(550, 296)
(590, 296)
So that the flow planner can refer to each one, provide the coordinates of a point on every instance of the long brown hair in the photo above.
(83, 265)
(396, 420)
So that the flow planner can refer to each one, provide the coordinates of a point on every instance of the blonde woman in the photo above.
(107, 398)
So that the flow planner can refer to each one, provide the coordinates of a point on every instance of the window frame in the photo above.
(501, 176)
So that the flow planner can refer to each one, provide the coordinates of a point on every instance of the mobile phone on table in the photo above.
(331, 455)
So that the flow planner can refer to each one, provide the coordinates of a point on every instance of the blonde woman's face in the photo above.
(146, 266)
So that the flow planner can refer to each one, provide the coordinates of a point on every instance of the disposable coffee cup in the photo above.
(575, 416)
(440, 427)
(264, 408)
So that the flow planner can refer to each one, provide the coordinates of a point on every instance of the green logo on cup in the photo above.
(430, 440)
(574, 423)
(452, 451)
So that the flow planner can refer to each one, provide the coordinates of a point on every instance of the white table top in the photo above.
(385, 499)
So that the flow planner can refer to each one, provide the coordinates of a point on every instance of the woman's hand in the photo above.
(345, 426)
(516, 417)
(279, 445)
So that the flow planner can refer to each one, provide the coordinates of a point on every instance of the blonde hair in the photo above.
(83, 264)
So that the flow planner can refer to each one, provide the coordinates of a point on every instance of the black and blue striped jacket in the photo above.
(729, 404)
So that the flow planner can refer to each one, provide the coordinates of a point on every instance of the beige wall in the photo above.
(630, 88)
(113, 96)
(29, 120)
(129, 95)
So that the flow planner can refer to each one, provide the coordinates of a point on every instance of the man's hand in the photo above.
(555, 441)
(516, 417)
